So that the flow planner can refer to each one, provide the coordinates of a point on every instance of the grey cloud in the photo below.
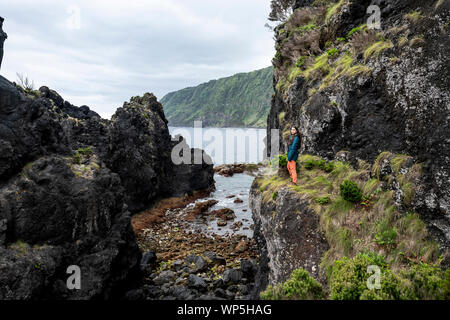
(125, 50)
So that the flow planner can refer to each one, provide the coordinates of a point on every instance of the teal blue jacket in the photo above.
(293, 149)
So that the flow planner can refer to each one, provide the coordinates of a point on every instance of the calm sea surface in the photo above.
(228, 145)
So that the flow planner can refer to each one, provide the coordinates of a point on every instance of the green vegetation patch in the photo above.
(354, 279)
(356, 30)
(332, 10)
(377, 48)
(350, 191)
(300, 286)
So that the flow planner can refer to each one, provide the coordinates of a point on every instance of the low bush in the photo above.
(81, 152)
(279, 160)
(349, 280)
(321, 164)
(350, 191)
(300, 286)
(323, 200)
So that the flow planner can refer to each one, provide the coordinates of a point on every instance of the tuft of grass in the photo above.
(332, 10)
(417, 41)
(402, 41)
(357, 70)
(377, 48)
(332, 52)
(438, 3)
(356, 30)
(323, 200)
(343, 67)
(301, 61)
(398, 161)
(387, 234)
(293, 74)
(20, 247)
(413, 16)
(376, 168)
(320, 66)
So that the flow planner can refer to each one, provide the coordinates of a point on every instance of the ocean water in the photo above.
(226, 145)
(243, 151)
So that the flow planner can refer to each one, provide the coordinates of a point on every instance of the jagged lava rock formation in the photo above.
(358, 94)
(68, 182)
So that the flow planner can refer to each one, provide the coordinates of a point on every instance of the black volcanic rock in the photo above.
(400, 104)
(140, 150)
(68, 181)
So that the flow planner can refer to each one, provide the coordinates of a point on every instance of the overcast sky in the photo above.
(101, 52)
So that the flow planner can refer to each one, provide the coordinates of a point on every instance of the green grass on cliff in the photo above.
(242, 100)
(373, 225)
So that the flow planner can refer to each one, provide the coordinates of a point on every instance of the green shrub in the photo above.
(301, 61)
(85, 151)
(355, 30)
(278, 56)
(425, 282)
(348, 280)
(274, 195)
(300, 286)
(332, 52)
(76, 159)
(350, 191)
(81, 152)
(329, 167)
(321, 164)
(310, 164)
(323, 200)
(279, 160)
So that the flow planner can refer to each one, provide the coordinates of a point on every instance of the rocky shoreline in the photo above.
(228, 170)
(183, 263)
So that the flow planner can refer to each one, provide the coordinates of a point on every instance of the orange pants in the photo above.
(292, 171)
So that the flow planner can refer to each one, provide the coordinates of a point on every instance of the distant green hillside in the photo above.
(242, 100)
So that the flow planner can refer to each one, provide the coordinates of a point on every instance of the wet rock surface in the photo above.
(228, 170)
(189, 263)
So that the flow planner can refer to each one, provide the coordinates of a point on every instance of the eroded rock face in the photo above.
(68, 181)
(288, 237)
(402, 105)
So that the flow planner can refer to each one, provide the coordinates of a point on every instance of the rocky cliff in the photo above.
(375, 95)
(68, 182)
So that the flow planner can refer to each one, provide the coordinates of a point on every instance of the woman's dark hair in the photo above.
(297, 133)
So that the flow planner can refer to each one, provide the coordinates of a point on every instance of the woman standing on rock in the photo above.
(293, 148)
(3, 37)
